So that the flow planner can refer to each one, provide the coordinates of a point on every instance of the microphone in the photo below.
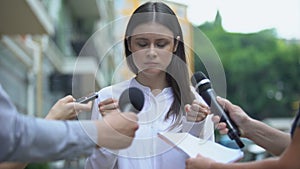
(131, 100)
(206, 91)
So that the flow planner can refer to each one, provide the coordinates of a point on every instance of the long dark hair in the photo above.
(177, 72)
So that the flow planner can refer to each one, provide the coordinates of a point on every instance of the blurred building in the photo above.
(40, 45)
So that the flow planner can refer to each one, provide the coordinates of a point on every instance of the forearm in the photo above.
(12, 165)
(273, 140)
(264, 164)
(36, 140)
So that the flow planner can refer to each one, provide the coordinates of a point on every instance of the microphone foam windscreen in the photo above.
(132, 97)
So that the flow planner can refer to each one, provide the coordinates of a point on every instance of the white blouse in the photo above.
(147, 150)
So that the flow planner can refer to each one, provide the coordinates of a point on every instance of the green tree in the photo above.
(262, 70)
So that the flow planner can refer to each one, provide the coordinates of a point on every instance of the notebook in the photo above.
(192, 146)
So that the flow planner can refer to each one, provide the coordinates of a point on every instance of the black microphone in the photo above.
(131, 100)
(206, 91)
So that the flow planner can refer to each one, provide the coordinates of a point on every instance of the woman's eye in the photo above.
(142, 44)
(162, 44)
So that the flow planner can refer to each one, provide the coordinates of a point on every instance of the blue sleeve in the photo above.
(29, 139)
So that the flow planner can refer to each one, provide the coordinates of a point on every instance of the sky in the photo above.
(248, 16)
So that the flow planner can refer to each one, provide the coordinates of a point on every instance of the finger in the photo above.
(199, 103)
(108, 101)
(196, 115)
(108, 107)
(216, 119)
(200, 117)
(197, 118)
(190, 112)
(190, 118)
(112, 111)
(221, 126)
(68, 98)
(225, 131)
(226, 104)
(195, 107)
(198, 108)
(194, 112)
(79, 107)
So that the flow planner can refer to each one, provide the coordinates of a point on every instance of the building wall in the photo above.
(28, 82)
(13, 78)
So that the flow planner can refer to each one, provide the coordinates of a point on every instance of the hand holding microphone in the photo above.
(121, 126)
(205, 89)
(237, 114)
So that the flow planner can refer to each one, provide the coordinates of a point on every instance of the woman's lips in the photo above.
(151, 64)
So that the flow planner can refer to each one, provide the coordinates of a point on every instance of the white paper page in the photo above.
(193, 146)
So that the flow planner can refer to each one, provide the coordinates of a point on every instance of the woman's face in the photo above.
(152, 45)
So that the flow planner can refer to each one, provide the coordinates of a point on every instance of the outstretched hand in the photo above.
(67, 109)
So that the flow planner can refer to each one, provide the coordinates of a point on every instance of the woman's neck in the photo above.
(155, 82)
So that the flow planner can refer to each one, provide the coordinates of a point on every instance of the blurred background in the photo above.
(42, 41)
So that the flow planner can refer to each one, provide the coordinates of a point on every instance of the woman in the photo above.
(155, 53)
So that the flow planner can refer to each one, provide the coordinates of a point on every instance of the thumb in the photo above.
(225, 104)
(67, 99)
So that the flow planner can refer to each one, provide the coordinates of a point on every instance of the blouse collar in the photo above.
(135, 83)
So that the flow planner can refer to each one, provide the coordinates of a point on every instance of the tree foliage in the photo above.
(262, 71)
